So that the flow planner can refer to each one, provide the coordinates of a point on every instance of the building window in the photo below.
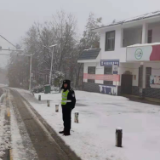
(132, 36)
(148, 74)
(108, 83)
(108, 70)
(91, 70)
(110, 41)
(149, 36)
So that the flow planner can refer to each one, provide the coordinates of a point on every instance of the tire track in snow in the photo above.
(22, 145)
(5, 134)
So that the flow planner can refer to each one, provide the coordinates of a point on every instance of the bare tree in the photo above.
(90, 39)
(61, 30)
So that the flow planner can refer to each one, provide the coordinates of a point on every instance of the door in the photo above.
(126, 85)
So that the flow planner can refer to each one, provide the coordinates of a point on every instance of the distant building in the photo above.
(128, 61)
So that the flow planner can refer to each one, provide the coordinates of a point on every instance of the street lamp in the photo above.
(50, 75)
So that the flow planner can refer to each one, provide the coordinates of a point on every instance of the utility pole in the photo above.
(30, 81)
(50, 78)
(30, 70)
(50, 75)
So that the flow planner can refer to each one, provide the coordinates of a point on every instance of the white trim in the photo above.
(125, 22)
(87, 61)
(143, 45)
(66, 101)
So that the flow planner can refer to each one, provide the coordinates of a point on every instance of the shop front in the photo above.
(143, 62)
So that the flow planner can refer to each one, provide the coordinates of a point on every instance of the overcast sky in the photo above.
(16, 16)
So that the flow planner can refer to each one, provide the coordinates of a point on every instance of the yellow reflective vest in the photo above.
(64, 97)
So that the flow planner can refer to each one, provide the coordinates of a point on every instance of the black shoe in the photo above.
(61, 132)
(67, 133)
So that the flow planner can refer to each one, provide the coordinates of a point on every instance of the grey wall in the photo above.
(91, 87)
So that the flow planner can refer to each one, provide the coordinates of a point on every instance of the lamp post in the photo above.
(30, 79)
(50, 75)
(30, 70)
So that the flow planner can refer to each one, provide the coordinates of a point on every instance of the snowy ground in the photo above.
(11, 127)
(94, 137)
(3, 85)
(22, 148)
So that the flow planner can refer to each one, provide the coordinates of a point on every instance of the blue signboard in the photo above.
(112, 90)
(109, 62)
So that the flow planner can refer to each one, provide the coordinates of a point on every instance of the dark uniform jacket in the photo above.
(71, 95)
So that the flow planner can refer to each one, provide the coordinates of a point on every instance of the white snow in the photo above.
(94, 137)
(143, 45)
(133, 19)
(5, 133)
(136, 18)
(19, 151)
(3, 85)
(1, 97)
(2, 130)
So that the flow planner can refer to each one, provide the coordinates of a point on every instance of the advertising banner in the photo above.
(154, 81)
(143, 53)
(115, 69)
(114, 77)
(112, 90)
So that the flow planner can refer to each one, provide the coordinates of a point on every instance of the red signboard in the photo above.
(114, 77)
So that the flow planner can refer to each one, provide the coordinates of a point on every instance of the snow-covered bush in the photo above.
(58, 78)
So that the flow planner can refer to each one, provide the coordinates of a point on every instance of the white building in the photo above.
(128, 59)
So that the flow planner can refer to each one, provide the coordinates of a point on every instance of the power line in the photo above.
(7, 41)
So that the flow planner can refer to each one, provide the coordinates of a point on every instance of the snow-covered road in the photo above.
(11, 128)
(32, 138)
(94, 137)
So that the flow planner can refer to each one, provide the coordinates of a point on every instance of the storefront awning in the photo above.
(143, 52)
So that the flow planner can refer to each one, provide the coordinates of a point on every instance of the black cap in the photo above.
(68, 82)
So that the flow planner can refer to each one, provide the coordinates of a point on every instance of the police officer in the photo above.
(68, 103)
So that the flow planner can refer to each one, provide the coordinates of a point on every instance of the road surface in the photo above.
(24, 134)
